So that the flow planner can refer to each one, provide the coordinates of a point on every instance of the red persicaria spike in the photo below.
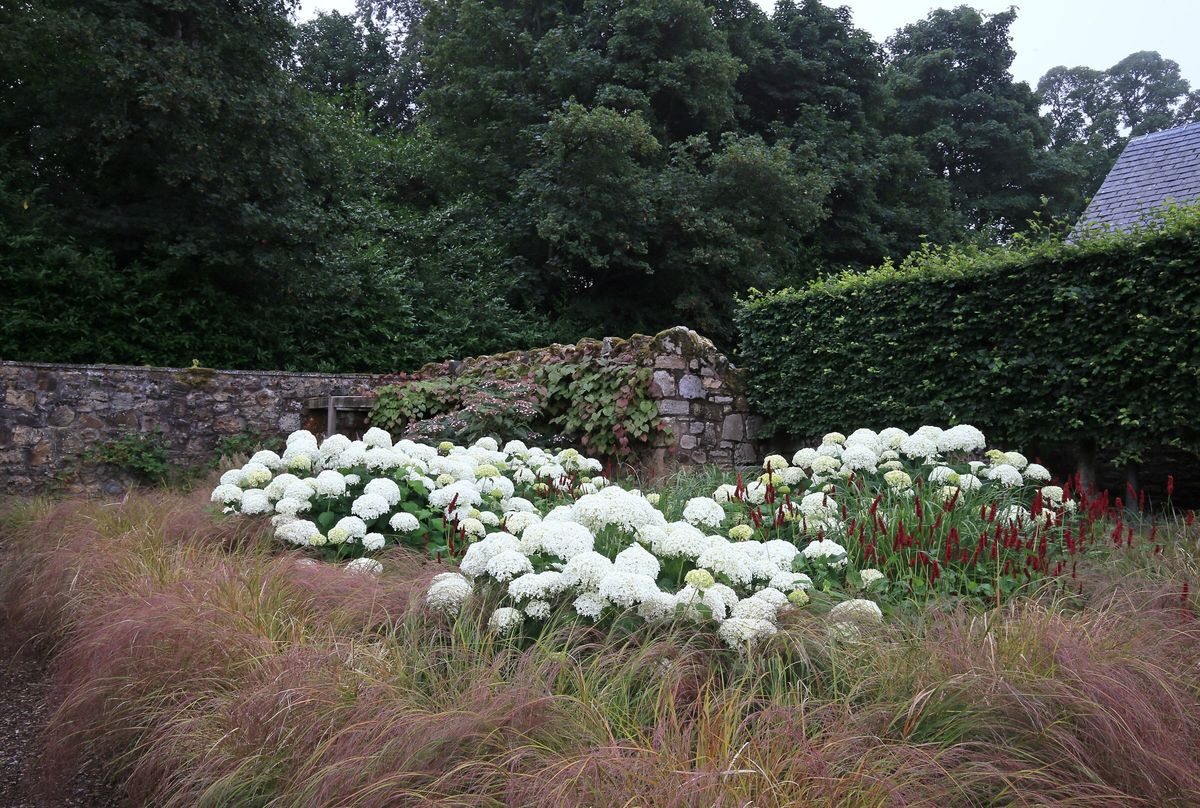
(1189, 518)
(1170, 484)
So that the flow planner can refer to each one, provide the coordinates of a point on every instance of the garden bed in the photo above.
(213, 662)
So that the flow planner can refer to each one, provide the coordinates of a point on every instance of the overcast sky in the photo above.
(1095, 33)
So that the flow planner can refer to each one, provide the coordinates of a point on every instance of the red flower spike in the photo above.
(1170, 484)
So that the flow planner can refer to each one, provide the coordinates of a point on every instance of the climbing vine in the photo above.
(603, 405)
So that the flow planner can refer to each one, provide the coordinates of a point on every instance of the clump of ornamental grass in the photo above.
(206, 669)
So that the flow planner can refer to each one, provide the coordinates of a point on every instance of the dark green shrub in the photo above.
(1038, 343)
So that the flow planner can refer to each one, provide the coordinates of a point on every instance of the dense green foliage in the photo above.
(1094, 342)
(432, 178)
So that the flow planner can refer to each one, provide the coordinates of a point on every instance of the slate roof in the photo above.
(1155, 169)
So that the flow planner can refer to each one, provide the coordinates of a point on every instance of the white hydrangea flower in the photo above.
(233, 477)
(348, 528)
(298, 531)
(788, 581)
(738, 632)
(463, 494)
(369, 507)
(961, 438)
(516, 522)
(658, 607)
(256, 475)
(1014, 515)
(587, 570)
(561, 538)
(364, 566)
(780, 553)
(725, 558)
(1016, 460)
(404, 522)
(518, 504)
(301, 438)
(756, 492)
(704, 511)
(824, 464)
(870, 576)
(541, 585)
(507, 564)
(1053, 494)
(472, 527)
(291, 506)
(331, 484)
(828, 549)
(255, 502)
(725, 493)
(804, 457)
(771, 595)
(774, 462)
(475, 560)
(1035, 472)
(892, 437)
(590, 605)
(690, 597)
(898, 479)
(943, 475)
(383, 487)
(373, 542)
(447, 592)
(818, 505)
(858, 610)
(376, 438)
(379, 459)
(505, 620)
(637, 560)
(1005, 474)
(538, 609)
(677, 539)
(859, 457)
(753, 608)
(615, 507)
(226, 494)
(627, 589)
(918, 446)
(969, 482)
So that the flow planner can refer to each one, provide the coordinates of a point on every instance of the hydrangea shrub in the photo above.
(865, 518)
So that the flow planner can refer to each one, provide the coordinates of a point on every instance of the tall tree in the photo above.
(977, 127)
(165, 135)
(1148, 90)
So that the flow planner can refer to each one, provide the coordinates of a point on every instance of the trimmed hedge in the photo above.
(1038, 344)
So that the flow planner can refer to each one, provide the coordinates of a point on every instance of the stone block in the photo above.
(691, 387)
(672, 406)
(23, 400)
(230, 424)
(733, 427)
(670, 362)
(688, 442)
(662, 384)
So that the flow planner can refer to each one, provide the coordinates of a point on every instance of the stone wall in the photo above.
(700, 394)
(52, 413)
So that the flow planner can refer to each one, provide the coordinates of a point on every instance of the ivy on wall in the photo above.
(604, 406)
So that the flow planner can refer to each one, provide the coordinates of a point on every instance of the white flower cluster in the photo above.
(365, 494)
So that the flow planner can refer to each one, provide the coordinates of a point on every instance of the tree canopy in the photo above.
(427, 178)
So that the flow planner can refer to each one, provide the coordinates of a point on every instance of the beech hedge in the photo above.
(1095, 343)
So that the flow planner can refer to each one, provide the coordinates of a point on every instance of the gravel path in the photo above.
(23, 712)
